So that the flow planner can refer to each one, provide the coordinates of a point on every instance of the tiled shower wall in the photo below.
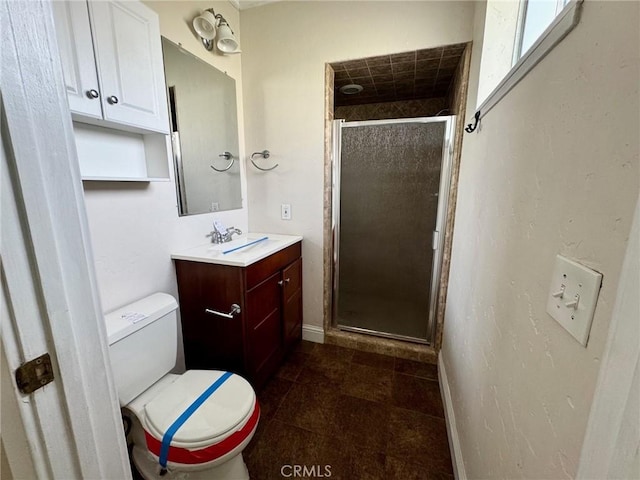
(429, 107)
(457, 102)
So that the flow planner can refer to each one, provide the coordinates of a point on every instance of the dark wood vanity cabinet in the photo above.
(254, 341)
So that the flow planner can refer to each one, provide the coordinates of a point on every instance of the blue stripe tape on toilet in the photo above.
(171, 431)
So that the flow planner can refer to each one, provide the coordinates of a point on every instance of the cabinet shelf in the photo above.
(125, 179)
(105, 154)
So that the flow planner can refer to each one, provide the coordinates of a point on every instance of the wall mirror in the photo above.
(204, 133)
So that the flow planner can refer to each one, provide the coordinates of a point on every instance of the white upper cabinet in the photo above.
(78, 62)
(112, 63)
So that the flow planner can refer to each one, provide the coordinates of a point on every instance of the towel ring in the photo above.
(228, 156)
(263, 154)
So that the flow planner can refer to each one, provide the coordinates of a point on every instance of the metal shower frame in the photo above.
(438, 234)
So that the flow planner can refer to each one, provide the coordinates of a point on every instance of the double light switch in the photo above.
(573, 296)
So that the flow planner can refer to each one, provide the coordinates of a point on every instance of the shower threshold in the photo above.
(382, 334)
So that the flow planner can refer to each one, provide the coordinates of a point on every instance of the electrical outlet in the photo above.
(215, 206)
(285, 211)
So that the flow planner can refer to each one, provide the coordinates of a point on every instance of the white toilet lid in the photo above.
(228, 406)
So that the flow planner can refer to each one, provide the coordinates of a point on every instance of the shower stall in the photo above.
(390, 189)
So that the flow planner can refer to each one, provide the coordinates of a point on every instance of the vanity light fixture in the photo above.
(211, 26)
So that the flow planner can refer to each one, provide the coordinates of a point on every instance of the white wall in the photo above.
(285, 47)
(135, 227)
(553, 169)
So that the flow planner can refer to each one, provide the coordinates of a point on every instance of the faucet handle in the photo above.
(219, 227)
(215, 236)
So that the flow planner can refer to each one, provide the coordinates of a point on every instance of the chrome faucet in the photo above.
(223, 237)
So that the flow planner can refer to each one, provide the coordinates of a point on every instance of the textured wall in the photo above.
(428, 107)
(553, 169)
(284, 80)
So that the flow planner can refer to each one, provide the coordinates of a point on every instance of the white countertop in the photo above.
(220, 254)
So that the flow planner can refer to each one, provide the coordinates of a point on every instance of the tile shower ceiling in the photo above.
(403, 76)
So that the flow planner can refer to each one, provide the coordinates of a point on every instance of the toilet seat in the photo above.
(221, 424)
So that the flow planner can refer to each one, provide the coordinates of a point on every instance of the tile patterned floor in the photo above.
(367, 416)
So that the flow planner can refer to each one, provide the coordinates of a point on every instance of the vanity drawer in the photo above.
(266, 267)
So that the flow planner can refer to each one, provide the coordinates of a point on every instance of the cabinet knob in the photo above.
(112, 99)
(92, 93)
(287, 280)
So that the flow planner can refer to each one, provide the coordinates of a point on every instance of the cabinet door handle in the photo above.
(280, 282)
(287, 280)
(112, 99)
(235, 308)
(93, 93)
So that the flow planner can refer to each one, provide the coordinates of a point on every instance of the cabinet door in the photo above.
(128, 51)
(264, 329)
(76, 52)
(211, 341)
(292, 302)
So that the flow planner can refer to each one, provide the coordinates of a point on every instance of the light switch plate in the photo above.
(572, 282)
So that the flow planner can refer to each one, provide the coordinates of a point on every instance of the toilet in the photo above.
(205, 417)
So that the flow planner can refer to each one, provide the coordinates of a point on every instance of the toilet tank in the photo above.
(143, 343)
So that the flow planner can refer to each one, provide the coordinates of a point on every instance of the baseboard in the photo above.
(313, 333)
(449, 415)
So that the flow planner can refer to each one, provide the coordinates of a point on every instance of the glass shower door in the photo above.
(389, 177)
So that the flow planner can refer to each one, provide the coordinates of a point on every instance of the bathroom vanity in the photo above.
(241, 310)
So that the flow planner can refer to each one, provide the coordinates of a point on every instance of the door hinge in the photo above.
(34, 374)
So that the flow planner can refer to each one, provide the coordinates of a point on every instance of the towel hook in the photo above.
(470, 128)
(263, 154)
(228, 156)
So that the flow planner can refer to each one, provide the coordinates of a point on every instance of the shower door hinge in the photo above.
(434, 241)
(34, 374)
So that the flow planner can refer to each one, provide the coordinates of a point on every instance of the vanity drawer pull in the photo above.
(235, 308)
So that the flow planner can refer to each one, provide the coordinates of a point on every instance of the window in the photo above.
(535, 17)
(517, 35)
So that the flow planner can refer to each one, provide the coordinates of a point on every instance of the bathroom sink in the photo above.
(242, 251)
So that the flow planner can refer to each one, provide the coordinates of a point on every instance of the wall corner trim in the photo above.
(450, 419)
(313, 333)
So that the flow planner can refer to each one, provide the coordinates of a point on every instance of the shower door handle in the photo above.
(434, 239)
